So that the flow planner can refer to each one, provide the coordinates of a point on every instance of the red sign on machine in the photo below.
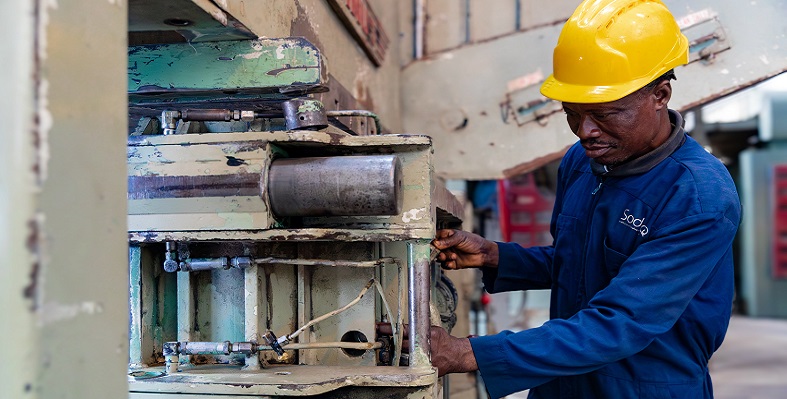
(363, 24)
(779, 263)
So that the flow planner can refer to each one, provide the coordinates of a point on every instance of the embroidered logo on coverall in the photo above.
(634, 223)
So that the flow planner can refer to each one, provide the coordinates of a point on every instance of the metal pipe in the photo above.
(201, 264)
(365, 185)
(228, 348)
(206, 115)
(205, 348)
(194, 265)
(219, 115)
(323, 345)
(324, 262)
(418, 294)
(251, 302)
(419, 28)
(401, 278)
(358, 112)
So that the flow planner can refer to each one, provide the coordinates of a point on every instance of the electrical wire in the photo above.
(357, 299)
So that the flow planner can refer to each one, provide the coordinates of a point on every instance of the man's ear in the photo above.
(662, 94)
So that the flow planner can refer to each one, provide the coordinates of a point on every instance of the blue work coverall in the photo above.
(641, 272)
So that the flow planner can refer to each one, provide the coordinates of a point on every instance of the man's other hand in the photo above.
(449, 354)
(461, 250)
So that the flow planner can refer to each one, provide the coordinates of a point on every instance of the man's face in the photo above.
(617, 131)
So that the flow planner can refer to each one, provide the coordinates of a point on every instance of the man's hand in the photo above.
(449, 354)
(460, 250)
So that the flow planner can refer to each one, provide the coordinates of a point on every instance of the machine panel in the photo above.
(267, 241)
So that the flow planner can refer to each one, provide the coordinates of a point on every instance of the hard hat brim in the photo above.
(572, 93)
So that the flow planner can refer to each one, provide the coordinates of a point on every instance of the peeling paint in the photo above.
(31, 291)
(310, 106)
(43, 11)
(253, 56)
(45, 122)
(414, 214)
(53, 312)
(280, 53)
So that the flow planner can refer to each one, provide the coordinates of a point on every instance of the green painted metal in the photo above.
(246, 66)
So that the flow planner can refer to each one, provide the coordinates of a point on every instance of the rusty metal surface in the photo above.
(334, 138)
(282, 380)
(304, 114)
(152, 187)
(418, 289)
(189, 171)
(393, 233)
(481, 104)
(192, 186)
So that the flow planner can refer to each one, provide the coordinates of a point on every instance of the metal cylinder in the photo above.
(207, 115)
(205, 348)
(304, 113)
(367, 185)
(419, 286)
(198, 264)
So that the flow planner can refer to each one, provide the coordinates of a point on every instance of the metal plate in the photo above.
(172, 21)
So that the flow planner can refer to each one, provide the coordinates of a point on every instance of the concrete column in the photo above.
(63, 240)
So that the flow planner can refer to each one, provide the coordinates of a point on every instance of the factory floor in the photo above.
(751, 363)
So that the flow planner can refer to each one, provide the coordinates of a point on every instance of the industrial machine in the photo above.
(267, 240)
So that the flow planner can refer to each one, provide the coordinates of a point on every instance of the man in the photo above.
(641, 267)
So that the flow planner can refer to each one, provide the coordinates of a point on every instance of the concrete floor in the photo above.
(752, 361)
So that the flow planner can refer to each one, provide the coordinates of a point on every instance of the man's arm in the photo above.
(652, 290)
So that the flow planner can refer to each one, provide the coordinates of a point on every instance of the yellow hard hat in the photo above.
(611, 48)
